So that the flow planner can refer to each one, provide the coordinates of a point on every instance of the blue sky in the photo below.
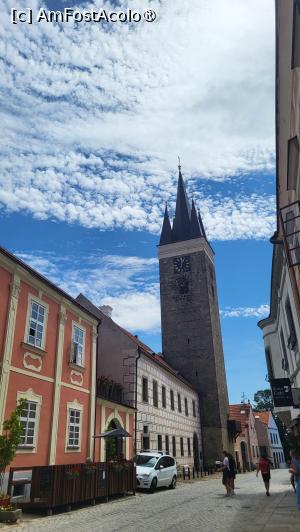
(94, 119)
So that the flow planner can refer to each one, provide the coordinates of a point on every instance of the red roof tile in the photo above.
(264, 417)
(235, 412)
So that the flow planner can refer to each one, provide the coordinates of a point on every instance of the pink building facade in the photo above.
(48, 357)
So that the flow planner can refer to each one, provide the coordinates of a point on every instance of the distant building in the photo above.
(47, 357)
(281, 331)
(167, 416)
(269, 438)
(246, 446)
(191, 332)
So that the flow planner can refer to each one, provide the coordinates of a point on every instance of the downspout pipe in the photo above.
(98, 327)
(139, 352)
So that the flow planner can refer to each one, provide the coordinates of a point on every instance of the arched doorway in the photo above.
(245, 463)
(113, 446)
(196, 452)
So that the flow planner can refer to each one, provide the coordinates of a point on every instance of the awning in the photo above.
(115, 433)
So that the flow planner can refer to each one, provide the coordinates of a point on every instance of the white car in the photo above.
(155, 469)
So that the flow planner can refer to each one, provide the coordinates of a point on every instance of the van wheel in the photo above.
(173, 483)
(153, 485)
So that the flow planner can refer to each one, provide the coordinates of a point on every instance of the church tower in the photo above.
(191, 331)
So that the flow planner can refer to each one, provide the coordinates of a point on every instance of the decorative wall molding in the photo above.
(76, 378)
(33, 362)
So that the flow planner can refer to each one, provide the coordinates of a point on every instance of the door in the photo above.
(245, 463)
(170, 463)
(196, 452)
(162, 471)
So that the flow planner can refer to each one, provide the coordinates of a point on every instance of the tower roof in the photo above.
(166, 232)
(187, 223)
(182, 221)
(196, 231)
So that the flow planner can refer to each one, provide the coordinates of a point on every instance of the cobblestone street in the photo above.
(193, 506)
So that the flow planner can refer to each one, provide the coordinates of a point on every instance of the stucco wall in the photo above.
(165, 421)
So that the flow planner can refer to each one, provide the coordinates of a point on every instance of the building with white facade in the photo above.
(271, 444)
(168, 412)
(281, 331)
(166, 406)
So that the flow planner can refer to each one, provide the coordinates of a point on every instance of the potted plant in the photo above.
(9, 441)
(10, 513)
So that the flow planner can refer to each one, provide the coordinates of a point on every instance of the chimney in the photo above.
(107, 310)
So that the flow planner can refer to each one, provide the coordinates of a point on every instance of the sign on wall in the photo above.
(282, 392)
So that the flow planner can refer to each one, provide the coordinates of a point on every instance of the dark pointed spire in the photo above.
(187, 223)
(182, 220)
(201, 225)
(195, 224)
(166, 232)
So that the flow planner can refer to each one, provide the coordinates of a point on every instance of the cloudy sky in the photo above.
(94, 117)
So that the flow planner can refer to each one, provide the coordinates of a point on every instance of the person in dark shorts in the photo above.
(232, 472)
(264, 466)
(226, 480)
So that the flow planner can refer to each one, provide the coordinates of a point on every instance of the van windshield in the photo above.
(146, 461)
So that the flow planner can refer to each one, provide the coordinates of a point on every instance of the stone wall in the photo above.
(192, 340)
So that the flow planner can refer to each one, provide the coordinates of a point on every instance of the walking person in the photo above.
(226, 480)
(292, 477)
(264, 466)
(295, 471)
(231, 472)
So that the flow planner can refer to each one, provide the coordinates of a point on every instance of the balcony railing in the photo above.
(110, 390)
(290, 219)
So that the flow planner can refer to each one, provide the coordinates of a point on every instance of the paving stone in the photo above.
(198, 506)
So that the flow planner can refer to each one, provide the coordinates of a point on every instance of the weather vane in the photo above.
(179, 165)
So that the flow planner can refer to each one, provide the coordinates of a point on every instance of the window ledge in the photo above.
(77, 367)
(33, 348)
(26, 449)
(73, 449)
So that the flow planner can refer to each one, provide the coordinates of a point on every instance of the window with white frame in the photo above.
(74, 423)
(77, 346)
(28, 420)
(36, 325)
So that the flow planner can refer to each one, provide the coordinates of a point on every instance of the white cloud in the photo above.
(128, 284)
(96, 275)
(94, 119)
(136, 311)
(246, 312)
(125, 283)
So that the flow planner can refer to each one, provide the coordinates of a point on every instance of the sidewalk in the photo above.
(277, 513)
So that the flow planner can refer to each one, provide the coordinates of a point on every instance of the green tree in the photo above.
(263, 400)
(10, 439)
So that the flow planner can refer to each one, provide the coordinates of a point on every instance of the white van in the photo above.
(155, 469)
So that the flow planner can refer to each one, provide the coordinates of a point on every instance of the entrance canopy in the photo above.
(115, 433)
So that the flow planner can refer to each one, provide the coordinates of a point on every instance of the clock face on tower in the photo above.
(182, 264)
